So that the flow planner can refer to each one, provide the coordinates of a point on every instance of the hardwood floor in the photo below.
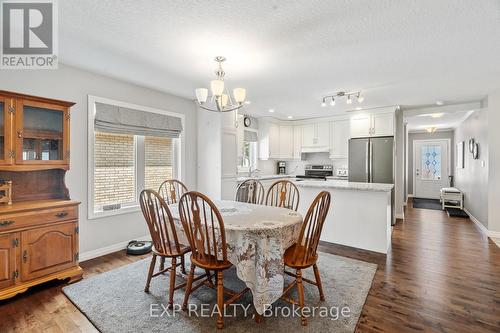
(441, 275)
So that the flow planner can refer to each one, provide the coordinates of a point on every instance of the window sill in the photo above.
(121, 211)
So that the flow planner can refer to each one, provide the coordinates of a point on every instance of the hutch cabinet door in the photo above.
(42, 133)
(7, 260)
(7, 109)
(48, 250)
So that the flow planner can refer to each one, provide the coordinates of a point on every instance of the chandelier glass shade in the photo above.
(219, 99)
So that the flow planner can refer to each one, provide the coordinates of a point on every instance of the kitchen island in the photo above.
(360, 213)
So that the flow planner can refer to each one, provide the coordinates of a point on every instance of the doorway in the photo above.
(431, 167)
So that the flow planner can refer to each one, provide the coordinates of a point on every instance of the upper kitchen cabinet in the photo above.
(35, 133)
(339, 138)
(315, 137)
(286, 142)
(279, 141)
(370, 125)
(269, 140)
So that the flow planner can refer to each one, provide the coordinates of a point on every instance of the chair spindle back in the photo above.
(311, 227)
(250, 191)
(204, 227)
(171, 190)
(283, 193)
(160, 223)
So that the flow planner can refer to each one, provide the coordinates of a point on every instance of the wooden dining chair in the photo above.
(171, 190)
(303, 255)
(283, 193)
(204, 228)
(250, 191)
(165, 242)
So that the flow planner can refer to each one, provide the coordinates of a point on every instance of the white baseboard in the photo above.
(109, 249)
(484, 230)
(410, 195)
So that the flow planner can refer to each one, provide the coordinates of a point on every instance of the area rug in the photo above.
(115, 301)
(456, 212)
(427, 203)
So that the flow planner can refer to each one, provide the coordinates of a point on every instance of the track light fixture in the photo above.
(349, 95)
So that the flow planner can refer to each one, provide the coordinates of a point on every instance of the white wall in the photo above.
(473, 178)
(493, 180)
(68, 83)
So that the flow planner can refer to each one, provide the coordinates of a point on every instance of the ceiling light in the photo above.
(360, 98)
(358, 108)
(323, 104)
(271, 110)
(220, 100)
(439, 103)
(290, 117)
(431, 129)
(339, 94)
(437, 115)
(248, 102)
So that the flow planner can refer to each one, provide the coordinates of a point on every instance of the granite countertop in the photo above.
(264, 177)
(345, 185)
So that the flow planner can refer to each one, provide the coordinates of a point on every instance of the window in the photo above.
(249, 154)
(158, 161)
(114, 170)
(121, 165)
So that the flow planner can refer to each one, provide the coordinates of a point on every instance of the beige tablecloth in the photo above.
(257, 237)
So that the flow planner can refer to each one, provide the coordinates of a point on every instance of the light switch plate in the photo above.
(483, 164)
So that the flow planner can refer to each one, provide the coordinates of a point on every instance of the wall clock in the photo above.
(471, 144)
(475, 151)
(247, 122)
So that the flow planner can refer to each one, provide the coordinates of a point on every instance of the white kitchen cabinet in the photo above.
(308, 135)
(323, 134)
(369, 125)
(285, 142)
(383, 124)
(274, 141)
(339, 138)
(361, 126)
(269, 135)
(297, 142)
(315, 137)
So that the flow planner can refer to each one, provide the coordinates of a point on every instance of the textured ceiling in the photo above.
(288, 54)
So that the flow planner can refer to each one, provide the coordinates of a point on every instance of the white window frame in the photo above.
(179, 157)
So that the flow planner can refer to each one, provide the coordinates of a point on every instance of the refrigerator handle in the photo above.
(371, 162)
(367, 161)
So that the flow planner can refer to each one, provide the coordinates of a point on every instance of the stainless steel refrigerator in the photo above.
(371, 160)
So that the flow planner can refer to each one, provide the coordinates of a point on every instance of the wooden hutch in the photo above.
(39, 229)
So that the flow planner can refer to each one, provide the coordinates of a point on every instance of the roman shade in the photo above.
(115, 119)
(250, 136)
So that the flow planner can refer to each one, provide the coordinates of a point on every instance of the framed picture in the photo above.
(460, 154)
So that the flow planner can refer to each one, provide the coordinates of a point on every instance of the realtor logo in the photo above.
(29, 34)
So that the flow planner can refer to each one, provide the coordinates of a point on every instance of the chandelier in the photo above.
(220, 100)
(349, 95)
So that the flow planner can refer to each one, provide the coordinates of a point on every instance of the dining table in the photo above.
(257, 237)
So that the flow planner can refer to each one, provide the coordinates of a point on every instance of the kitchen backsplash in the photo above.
(297, 167)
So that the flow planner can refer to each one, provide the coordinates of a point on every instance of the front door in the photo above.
(431, 167)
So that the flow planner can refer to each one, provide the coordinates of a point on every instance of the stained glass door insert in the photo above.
(430, 162)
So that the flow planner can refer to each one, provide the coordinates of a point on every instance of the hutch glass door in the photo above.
(41, 132)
